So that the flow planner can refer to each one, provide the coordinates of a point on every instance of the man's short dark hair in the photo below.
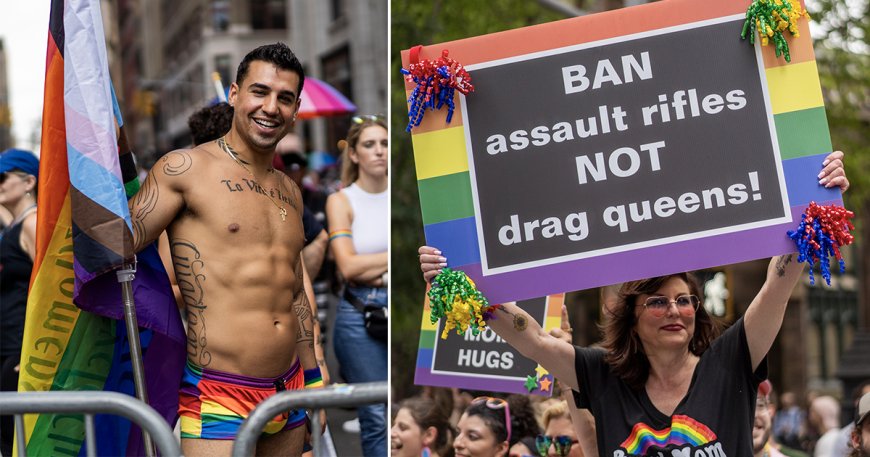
(210, 123)
(277, 54)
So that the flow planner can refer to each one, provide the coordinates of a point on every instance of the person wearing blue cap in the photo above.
(19, 171)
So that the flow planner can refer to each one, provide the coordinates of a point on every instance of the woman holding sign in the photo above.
(666, 378)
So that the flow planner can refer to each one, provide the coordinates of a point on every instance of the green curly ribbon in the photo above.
(453, 295)
(769, 19)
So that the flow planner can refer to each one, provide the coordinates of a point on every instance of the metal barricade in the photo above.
(341, 395)
(88, 403)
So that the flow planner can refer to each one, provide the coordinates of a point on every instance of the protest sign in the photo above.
(484, 361)
(618, 146)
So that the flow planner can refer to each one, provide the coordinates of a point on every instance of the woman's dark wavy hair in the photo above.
(624, 352)
(493, 418)
(427, 413)
(277, 54)
(523, 422)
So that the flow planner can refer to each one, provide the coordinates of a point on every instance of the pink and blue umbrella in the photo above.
(320, 99)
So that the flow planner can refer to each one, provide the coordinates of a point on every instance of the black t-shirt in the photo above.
(715, 419)
(15, 268)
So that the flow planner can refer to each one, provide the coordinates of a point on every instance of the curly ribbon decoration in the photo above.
(820, 234)
(436, 83)
(453, 295)
(769, 19)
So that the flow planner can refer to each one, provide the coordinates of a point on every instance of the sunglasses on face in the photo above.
(561, 443)
(7, 174)
(359, 119)
(686, 305)
(497, 403)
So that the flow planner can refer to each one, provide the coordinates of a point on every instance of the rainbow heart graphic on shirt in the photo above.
(683, 431)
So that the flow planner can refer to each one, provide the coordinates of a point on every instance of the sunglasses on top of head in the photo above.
(360, 118)
(497, 403)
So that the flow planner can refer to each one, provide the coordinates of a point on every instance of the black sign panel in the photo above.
(621, 146)
(486, 353)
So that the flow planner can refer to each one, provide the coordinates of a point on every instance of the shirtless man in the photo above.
(235, 233)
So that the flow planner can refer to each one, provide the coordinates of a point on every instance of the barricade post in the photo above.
(89, 403)
(340, 395)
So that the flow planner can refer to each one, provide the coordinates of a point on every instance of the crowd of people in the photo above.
(444, 422)
(251, 315)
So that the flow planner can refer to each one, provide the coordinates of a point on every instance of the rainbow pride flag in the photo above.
(73, 339)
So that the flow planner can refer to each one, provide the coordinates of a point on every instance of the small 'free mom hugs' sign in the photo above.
(618, 146)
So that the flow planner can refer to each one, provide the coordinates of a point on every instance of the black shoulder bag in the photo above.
(377, 323)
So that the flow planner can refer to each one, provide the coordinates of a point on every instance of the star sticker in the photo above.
(541, 371)
(531, 383)
(545, 384)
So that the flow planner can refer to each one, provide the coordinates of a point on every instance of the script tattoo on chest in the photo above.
(189, 273)
(249, 185)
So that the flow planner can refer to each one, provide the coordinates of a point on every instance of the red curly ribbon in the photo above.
(436, 82)
(823, 230)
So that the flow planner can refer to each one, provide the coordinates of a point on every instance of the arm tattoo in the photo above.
(781, 262)
(520, 321)
(306, 320)
(189, 275)
(176, 163)
(144, 203)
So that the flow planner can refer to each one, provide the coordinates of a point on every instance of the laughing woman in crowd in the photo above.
(421, 428)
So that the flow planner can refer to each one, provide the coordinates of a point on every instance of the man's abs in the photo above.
(239, 306)
(251, 343)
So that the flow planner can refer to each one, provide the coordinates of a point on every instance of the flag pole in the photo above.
(125, 277)
(219, 86)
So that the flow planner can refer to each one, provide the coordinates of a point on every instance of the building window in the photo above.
(336, 72)
(223, 64)
(337, 8)
(268, 14)
(220, 15)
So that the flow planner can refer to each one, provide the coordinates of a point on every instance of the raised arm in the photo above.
(518, 329)
(358, 268)
(160, 198)
(764, 316)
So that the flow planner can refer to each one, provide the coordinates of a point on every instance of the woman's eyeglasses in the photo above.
(497, 403)
(360, 118)
(686, 305)
(561, 443)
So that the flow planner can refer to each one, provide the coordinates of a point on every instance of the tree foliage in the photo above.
(426, 22)
(840, 31)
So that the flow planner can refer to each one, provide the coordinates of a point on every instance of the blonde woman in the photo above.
(358, 218)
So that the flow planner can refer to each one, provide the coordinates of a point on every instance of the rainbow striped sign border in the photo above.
(424, 375)
(442, 162)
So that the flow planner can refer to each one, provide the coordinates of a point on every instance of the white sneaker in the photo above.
(351, 426)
